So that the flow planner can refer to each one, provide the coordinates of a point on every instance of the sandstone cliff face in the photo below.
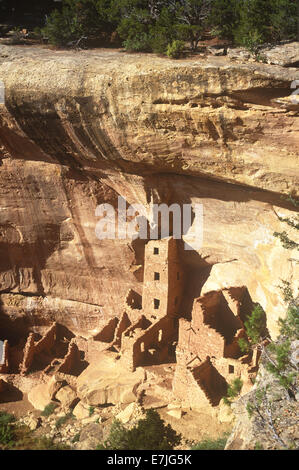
(81, 128)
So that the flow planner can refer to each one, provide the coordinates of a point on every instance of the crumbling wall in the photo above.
(71, 361)
(154, 346)
(29, 351)
(232, 369)
(32, 349)
(133, 300)
(200, 340)
(107, 333)
(122, 326)
(234, 297)
(211, 381)
(187, 390)
(208, 346)
(47, 342)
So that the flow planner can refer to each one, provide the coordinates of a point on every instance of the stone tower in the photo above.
(163, 279)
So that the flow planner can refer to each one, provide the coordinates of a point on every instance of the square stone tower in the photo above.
(163, 279)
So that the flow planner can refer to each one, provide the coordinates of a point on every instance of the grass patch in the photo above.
(6, 429)
(49, 409)
(19, 437)
(211, 444)
(63, 419)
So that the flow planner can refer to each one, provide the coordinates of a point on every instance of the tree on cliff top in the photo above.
(153, 24)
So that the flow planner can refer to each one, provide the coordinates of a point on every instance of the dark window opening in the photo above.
(156, 303)
(156, 251)
(157, 276)
(231, 369)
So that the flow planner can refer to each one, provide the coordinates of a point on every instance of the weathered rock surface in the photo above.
(81, 128)
(40, 397)
(90, 437)
(106, 381)
(67, 396)
(81, 410)
(132, 412)
(286, 55)
(267, 417)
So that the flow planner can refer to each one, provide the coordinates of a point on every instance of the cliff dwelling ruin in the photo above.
(193, 357)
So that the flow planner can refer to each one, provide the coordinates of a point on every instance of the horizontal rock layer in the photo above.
(79, 129)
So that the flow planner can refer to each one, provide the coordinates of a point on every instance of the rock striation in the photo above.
(81, 129)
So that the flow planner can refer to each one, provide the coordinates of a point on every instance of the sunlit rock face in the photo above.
(80, 129)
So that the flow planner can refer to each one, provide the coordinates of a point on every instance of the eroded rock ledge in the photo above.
(79, 129)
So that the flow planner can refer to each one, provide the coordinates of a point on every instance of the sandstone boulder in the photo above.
(131, 412)
(67, 396)
(90, 436)
(175, 413)
(286, 55)
(40, 397)
(106, 381)
(225, 414)
(217, 51)
(238, 53)
(81, 410)
(32, 422)
(54, 384)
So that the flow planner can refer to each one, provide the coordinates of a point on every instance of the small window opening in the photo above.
(231, 369)
(157, 276)
(156, 251)
(156, 303)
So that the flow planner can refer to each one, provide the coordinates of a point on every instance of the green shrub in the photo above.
(49, 409)
(255, 327)
(289, 326)
(144, 25)
(140, 43)
(233, 390)
(258, 446)
(76, 438)
(6, 430)
(175, 49)
(60, 421)
(211, 444)
(252, 40)
(150, 433)
(75, 20)
(61, 27)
